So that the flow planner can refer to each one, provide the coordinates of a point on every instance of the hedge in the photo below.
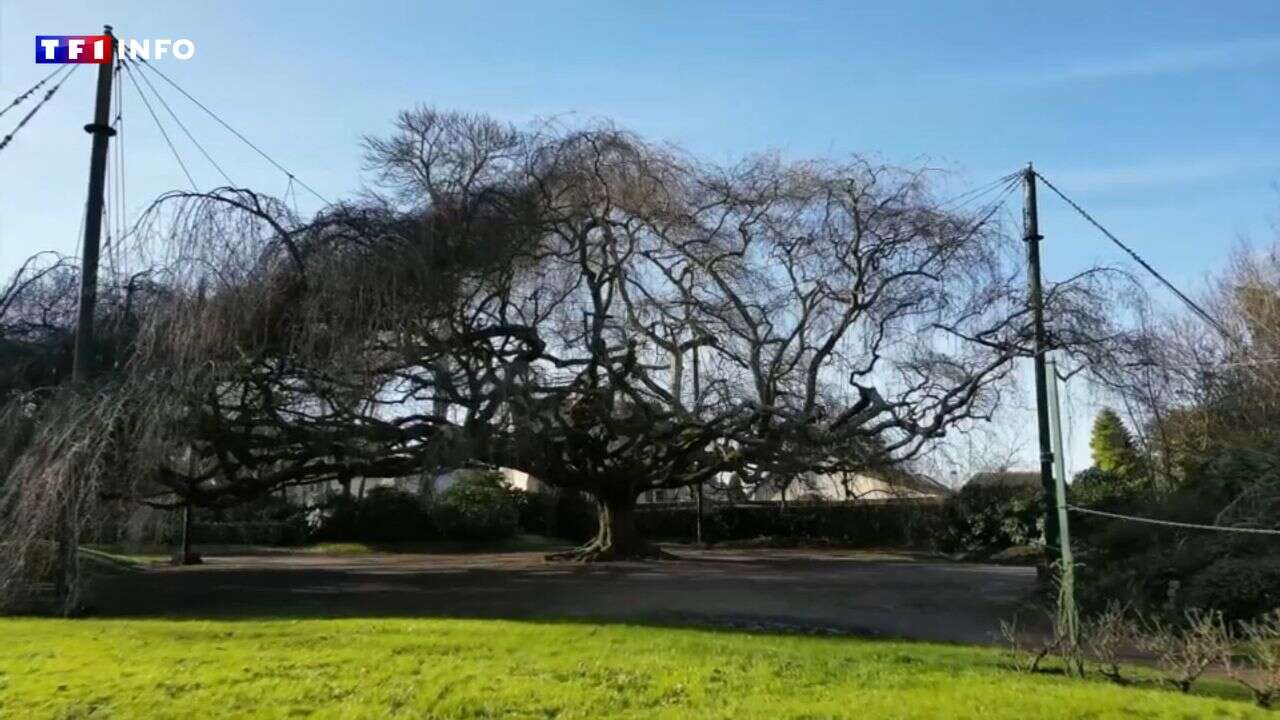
(896, 524)
(248, 532)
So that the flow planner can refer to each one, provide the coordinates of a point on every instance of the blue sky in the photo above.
(1160, 117)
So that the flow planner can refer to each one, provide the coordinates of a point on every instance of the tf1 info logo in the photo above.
(97, 49)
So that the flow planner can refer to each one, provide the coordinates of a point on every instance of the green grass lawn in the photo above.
(501, 669)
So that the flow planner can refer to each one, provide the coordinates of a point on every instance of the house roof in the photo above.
(904, 480)
(1006, 478)
(926, 484)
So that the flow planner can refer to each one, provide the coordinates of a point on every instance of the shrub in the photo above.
(1107, 635)
(563, 514)
(1255, 663)
(1185, 653)
(479, 506)
(388, 514)
(385, 514)
(333, 519)
(246, 532)
(1168, 570)
(984, 520)
(1095, 487)
(1239, 587)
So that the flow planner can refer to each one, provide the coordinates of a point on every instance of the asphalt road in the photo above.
(800, 591)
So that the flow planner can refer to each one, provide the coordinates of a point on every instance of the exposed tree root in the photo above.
(596, 551)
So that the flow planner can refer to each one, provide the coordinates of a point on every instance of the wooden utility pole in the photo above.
(82, 361)
(101, 131)
(1032, 237)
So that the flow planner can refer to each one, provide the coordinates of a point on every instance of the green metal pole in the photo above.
(1067, 592)
(1035, 294)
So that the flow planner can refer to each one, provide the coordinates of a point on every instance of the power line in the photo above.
(969, 196)
(232, 130)
(185, 131)
(49, 94)
(163, 133)
(31, 91)
(1171, 523)
(1204, 314)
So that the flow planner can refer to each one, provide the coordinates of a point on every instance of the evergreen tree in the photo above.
(1112, 446)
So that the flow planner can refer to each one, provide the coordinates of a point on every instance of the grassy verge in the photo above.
(472, 669)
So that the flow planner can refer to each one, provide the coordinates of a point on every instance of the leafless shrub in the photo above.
(1027, 651)
(1105, 637)
(1255, 661)
(1185, 653)
(1021, 653)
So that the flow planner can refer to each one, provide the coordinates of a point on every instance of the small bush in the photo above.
(388, 514)
(479, 506)
(1105, 636)
(1255, 663)
(984, 520)
(333, 519)
(1185, 653)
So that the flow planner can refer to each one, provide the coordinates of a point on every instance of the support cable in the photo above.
(121, 201)
(184, 129)
(160, 126)
(1204, 314)
(1171, 523)
(233, 131)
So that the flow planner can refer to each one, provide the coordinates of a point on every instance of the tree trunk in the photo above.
(184, 555)
(617, 537)
(67, 582)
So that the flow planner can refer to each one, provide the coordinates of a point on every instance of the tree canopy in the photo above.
(604, 313)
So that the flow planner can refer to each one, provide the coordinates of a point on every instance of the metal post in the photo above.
(698, 527)
(1067, 590)
(697, 406)
(1032, 237)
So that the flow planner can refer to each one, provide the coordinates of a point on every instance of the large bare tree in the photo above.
(606, 314)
